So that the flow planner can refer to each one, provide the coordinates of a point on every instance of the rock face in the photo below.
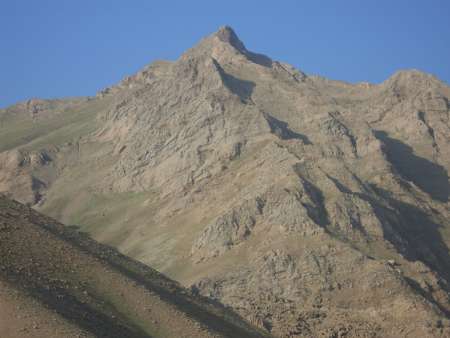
(310, 206)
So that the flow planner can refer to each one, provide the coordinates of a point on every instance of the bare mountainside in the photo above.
(312, 207)
(56, 282)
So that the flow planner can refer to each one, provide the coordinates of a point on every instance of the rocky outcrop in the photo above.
(16, 174)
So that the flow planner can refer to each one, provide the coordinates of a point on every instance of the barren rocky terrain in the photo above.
(312, 207)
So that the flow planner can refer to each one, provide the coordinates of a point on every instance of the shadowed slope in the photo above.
(94, 288)
(431, 177)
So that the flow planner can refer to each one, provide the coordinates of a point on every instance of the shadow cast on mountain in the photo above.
(317, 212)
(430, 177)
(409, 229)
(412, 231)
(426, 294)
(355, 223)
(423, 239)
(239, 87)
(282, 130)
(259, 59)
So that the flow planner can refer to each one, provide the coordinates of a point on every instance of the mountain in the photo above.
(57, 282)
(312, 207)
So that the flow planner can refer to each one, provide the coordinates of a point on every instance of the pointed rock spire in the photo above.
(227, 34)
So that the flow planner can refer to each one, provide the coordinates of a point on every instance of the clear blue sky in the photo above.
(57, 48)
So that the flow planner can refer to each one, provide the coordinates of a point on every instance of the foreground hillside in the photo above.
(56, 282)
(312, 207)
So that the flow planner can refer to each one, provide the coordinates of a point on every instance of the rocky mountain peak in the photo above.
(225, 47)
(226, 34)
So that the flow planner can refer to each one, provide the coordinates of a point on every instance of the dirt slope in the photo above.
(56, 282)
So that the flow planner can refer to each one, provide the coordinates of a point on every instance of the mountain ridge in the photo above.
(310, 206)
